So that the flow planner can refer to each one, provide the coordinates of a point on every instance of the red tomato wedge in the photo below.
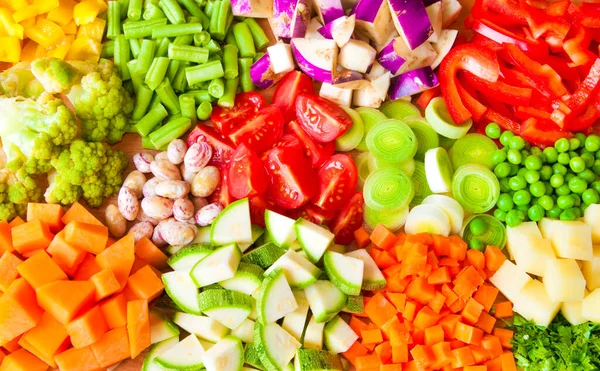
(322, 119)
(222, 149)
(221, 193)
(317, 152)
(349, 219)
(247, 175)
(245, 108)
(313, 214)
(258, 205)
(261, 132)
(288, 89)
(292, 176)
(338, 179)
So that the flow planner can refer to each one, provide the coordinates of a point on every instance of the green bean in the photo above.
(200, 96)
(201, 38)
(157, 72)
(243, 38)
(188, 108)
(113, 28)
(173, 11)
(142, 102)
(188, 53)
(195, 11)
(172, 30)
(216, 88)
(140, 29)
(228, 99)
(170, 131)
(147, 51)
(230, 61)
(204, 111)
(245, 77)
(108, 49)
(261, 40)
(151, 120)
(163, 47)
(122, 56)
(136, 78)
(183, 40)
(204, 72)
(179, 83)
(134, 46)
(134, 12)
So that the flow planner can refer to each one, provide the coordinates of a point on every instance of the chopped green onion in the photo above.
(392, 140)
(473, 149)
(391, 219)
(476, 188)
(494, 233)
(370, 117)
(352, 137)
(427, 138)
(419, 179)
(440, 120)
(399, 109)
(388, 189)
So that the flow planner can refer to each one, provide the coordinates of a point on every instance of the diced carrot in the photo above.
(437, 303)
(392, 271)
(31, 236)
(476, 368)
(22, 360)
(508, 362)
(462, 357)
(368, 362)
(443, 355)
(79, 213)
(391, 367)
(439, 276)
(450, 295)
(486, 322)
(138, 326)
(106, 284)
(503, 309)
(112, 347)
(362, 238)
(40, 269)
(379, 310)
(382, 237)
(370, 336)
(400, 353)
(468, 334)
(455, 344)
(67, 256)
(13, 345)
(423, 356)
(78, 359)
(384, 351)
(449, 262)
(144, 284)
(486, 295)
(492, 344)
(420, 291)
(494, 364)
(476, 259)
(397, 284)
(396, 332)
(65, 299)
(422, 238)
(385, 259)
(441, 245)
(434, 335)
(87, 268)
(16, 222)
(467, 282)
(5, 238)
(426, 318)
(505, 336)
(356, 350)
(480, 354)
(418, 336)
(51, 214)
(458, 248)
(119, 258)
(8, 270)
(433, 260)
(89, 237)
(410, 310)
(87, 328)
(471, 312)
(114, 310)
(48, 338)
(414, 259)
(19, 311)
(493, 258)
(148, 251)
(458, 305)
(357, 325)
(398, 299)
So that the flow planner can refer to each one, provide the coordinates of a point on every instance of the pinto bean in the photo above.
(128, 203)
(176, 151)
(173, 189)
(158, 207)
(198, 156)
(141, 230)
(149, 188)
(165, 170)
(208, 214)
(142, 161)
(135, 181)
(183, 209)
(116, 223)
(206, 181)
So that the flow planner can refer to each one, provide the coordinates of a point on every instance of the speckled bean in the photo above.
(143, 217)
(158, 207)
(165, 170)
(208, 214)
(135, 181)
(183, 209)
(178, 233)
(128, 203)
(199, 203)
(172, 189)
(161, 156)
(176, 151)
(197, 156)
(206, 181)
(149, 188)
(116, 223)
(187, 174)
(141, 230)
(142, 161)
(157, 238)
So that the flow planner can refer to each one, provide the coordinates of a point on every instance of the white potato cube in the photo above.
(591, 217)
(340, 96)
(564, 281)
(590, 307)
(534, 304)
(572, 312)
(591, 270)
(281, 57)
(529, 250)
(510, 280)
(357, 55)
(570, 239)
(547, 227)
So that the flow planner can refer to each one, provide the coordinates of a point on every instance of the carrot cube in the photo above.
(439, 276)
(357, 325)
(391, 367)
(379, 309)
(423, 356)
(89, 237)
(450, 295)
(13, 345)
(22, 360)
(78, 359)
(384, 351)
(486, 296)
(31, 236)
(112, 347)
(441, 245)
(448, 324)
(369, 362)
(480, 354)
(468, 334)
(420, 291)
(371, 336)
(382, 237)
(471, 311)
(67, 256)
(144, 284)
(503, 309)
(8, 270)
(426, 318)
(48, 338)
(114, 310)
(494, 364)
(106, 284)
(462, 357)
(5, 238)
(79, 213)
(476, 368)
(361, 237)
(492, 344)
(119, 257)
(400, 353)
(437, 303)
(40, 269)
(138, 326)
(443, 354)
(356, 350)
(434, 335)
(87, 328)
(486, 322)
(508, 362)
(494, 258)
(51, 214)
(65, 299)
(410, 310)
(19, 311)
(398, 299)
(505, 337)
(476, 259)
(148, 251)
(396, 332)
(87, 268)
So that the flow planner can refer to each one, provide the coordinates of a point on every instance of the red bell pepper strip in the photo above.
(569, 74)
(427, 96)
(577, 47)
(478, 60)
(508, 9)
(503, 36)
(542, 23)
(526, 112)
(587, 91)
(586, 13)
(499, 90)
(469, 99)
(542, 133)
(479, 39)
(585, 120)
(556, 8)
(504, 122)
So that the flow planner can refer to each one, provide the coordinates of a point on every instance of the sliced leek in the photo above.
(427, 219)
(392, 220)
(427, 138)
(362, 166)
(419, 180)
(370, 117)
(476, 188)
(446, 143)
(388, 189)
(408, 166)
(494, 234)
(473, 149)
(399, 109)
(352, 137)
(440, 120)
(451, 207)
(438, 169)
(392, 140)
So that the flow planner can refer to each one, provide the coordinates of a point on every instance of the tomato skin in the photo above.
(322, 119)
(338, 178)
(318, 152)
(247, 176)
(258, 205)
(261, 132)
(313, 213)
(288, 89)
(245, 108)
(222, 149)
(349, 219)
(292, 178)
(221, 194)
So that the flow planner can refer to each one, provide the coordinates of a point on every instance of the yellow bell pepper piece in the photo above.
(28, 23)
(93, 30)
(29, 50)
(25, 13)
(62, 49)
(8, 25)
(38, 7)
(70, 28)
(87, 10)
(63, 14)
(84, 49)
(45, 33)
(10, 50)
(14, 4)
(40, 52)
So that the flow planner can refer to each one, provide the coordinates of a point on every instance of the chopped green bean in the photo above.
(142, 102)
(153, 12)
(147, 50)
(173, 68)
(183, 40)
(230, 61)
(179, 82)
(155, 101)
(204, 111)
(230, 39)
(113, 28)
(172, 30)
(188, 53)
(204, 72)
(216, 88)
(157, 72)
(213, 46)
(123, 8)
(134, 12)
(140, 29)
(173, 11)
(200, 96)
(151, 120)
(134, 46)
(195, 11)
(245, 77)
(168, 97)
(210, 7)
(108, 49)
(188, 107)
(122, 56)
(201, 38)
(219, 19)
(243, 38)
(228, 99)
(261, 40)
(163, 47)
(136, 78)
(170, 131)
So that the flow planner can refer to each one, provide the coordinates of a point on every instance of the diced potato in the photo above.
(564, 281)
(534, 304)
(510, 280)
(591, 270)
(590, 307)
(591, 217)
(546, 227)
(529, 250)
(570, 239)
(572, 311)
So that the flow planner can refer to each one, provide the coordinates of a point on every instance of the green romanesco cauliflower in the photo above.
(55, 75)
(19, 81)
(16, 191)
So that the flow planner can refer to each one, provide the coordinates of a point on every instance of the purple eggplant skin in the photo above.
(374, 20)
(366, 10)
(244, 8)
(389, 59)
(412, 82)
(315, 72)
(290, 18)
(411, 20)
(430, 2)
(262, 73)
(330, 10)
(348, 79)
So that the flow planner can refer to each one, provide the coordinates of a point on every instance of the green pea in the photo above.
(536, 213)
(504, 185)
(564, 159)
(546, 202)
(551, 154)
(596, 186)
(569, 214)
(505, 137)
(577, 164)
(559, 169)
(505, 202)
(576, 199)
(562, 145)
(523, 210)
(587, 175)
(476, 244)
(498, 156)
(525, 153)
(500, 215)
(545, 172)
(581, 137)
(592, 143)
(577, 185)
(563, 190)
(517, 182)
(514, 156)
(597, 154)
(502, 170)
(493, 130)
(533, 163)
(590, 196)
(516, 142)
(522, 171)
(536, 151)
(554, 213)
(521, 197)
(596, 166)
(514, 169)
(565, 202)
(574, 143)
(549, 189)
(569, 176)
(557, 180)
(477, 226)
(588, 159)
(513, 218)
(537, 189)
(532, 176)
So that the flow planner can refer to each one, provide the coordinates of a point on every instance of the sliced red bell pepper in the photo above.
(587, 90)
(504, 122)
(586, 13)
(503, 36)
(526, 112)
(542, 23)
(468, 98)
(427, 96)
(569, 74)
(585, 120)
(556, 8)
(479, 39)
(478, 60)
(508, 9)
(577, 47)
(499, 90)
(541, 133)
